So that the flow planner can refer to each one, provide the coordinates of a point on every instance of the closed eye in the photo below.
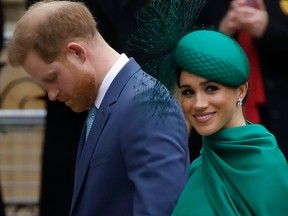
(51, 78)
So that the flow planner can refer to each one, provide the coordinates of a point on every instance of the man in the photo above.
(135, 158)
(116, 21)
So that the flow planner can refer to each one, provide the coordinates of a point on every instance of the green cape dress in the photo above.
(241, 171)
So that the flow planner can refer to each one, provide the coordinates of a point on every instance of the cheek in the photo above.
(221, 100)
(225, 106)
(66, 89)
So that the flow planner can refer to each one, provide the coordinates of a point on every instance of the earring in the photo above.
(239, 102)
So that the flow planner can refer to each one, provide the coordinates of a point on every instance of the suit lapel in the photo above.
(81, 143)
(85, 155)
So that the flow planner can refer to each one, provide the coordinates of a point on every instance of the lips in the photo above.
(204, 117)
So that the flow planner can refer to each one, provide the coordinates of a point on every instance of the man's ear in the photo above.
(77, 51)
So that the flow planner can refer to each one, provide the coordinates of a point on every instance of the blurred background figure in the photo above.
(1, 27)
(116, 21)
(2, 212)
(2, 208)
(261, 27)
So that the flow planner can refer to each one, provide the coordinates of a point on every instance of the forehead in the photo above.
(186, 76)
(35, 66)
(190, 79)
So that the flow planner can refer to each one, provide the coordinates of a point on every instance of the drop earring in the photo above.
(239, 102)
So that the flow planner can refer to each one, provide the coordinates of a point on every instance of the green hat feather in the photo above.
(162, 23)
(214, 56)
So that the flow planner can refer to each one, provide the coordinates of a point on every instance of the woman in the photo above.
(241, 170)
(267, 26)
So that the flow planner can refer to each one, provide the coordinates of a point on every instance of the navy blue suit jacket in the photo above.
(135, 160)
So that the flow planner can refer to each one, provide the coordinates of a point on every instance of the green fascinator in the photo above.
(162, 23)
(170, 42)
(214, 56)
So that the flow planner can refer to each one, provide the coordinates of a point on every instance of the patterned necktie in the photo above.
(90, 119)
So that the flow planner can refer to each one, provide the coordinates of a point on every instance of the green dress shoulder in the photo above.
(241, 171)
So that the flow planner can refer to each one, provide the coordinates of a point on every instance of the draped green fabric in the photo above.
(241, 171)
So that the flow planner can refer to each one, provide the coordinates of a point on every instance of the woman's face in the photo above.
(209, 106)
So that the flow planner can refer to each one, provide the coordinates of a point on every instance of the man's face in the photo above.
(65, 80)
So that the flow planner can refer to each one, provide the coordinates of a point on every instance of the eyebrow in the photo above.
(202, 83)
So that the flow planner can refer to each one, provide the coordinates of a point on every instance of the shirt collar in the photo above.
(112, 73)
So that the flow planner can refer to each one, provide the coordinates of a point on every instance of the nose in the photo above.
(200, 101)
(53, 92)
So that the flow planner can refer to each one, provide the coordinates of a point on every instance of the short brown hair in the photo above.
(47, 26)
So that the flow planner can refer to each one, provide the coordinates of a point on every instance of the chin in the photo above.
(204, 131)
(76, 109)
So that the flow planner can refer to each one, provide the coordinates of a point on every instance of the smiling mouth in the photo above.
(205, 117)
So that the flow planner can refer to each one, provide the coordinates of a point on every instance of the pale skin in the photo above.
(242, 17)
(209, 106)
(75, 77)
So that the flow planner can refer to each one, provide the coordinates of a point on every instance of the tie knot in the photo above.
(92, 112)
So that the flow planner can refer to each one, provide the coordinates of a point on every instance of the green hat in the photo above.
(214, 56)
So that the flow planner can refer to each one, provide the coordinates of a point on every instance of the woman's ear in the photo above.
(243, 89)
(77, 51)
